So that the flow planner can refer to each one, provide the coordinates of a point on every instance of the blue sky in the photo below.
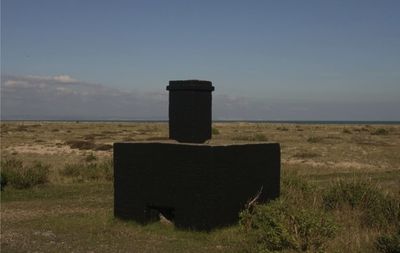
(299, 60)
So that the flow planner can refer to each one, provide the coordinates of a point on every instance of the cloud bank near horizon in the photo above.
(63, 97)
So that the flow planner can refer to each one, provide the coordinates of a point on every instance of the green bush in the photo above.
(24, 176)
(388, 243)
(378, 209)
(215, 131)
(280, 225)
(89, 171)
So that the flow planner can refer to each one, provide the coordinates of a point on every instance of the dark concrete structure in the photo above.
(197, 186)
(190, 110)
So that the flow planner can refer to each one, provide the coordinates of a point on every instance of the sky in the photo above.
(268, 60)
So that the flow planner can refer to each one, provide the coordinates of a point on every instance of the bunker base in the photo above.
(197, 186)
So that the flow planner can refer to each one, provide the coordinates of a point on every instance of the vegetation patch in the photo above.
(90, 158)
(103, 147)
(256, 137)
(91, 137)
(377, 209)
(388, 243)
(88, 145)
(380, 131)
(293, 222)
(81, 172)
(280, 226)
(214, 131)
(82, 145)
(14, 173)
(21, 128)
(314, 139)
(346, 131)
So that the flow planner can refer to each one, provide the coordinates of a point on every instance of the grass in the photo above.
(62, 219)
(320, 165)
(388, 243)
(15, 174)
(377, 209)
(89, 171)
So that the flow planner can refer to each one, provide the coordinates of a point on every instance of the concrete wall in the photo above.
(190, 110)
(198, 186)
(190, 116)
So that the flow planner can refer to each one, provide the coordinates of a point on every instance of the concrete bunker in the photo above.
(197, 186)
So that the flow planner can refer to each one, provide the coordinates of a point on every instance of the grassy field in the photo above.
(72, 210)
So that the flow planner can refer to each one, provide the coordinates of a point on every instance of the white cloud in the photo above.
(57, 78)
(64, 97)
(64, 79)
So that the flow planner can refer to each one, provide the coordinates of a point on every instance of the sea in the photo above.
(305, 122)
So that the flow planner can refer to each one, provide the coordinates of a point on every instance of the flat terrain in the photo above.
(75, 214)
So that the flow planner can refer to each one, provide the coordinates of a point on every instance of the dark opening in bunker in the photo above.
(154, 212)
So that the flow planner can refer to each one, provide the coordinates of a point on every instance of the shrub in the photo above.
(89, 171)
(215, 131)
(103, 147)
(90, 158)
(72, 170)
(314, 139)
(388, 243)
(279, 226)
(260, 137)
(377, 208)
(83, 145)
(346, 131)
(22, 177)
(282, 129)
(21, 128)
(380, 131)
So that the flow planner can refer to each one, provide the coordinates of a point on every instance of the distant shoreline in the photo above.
(303, 122)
